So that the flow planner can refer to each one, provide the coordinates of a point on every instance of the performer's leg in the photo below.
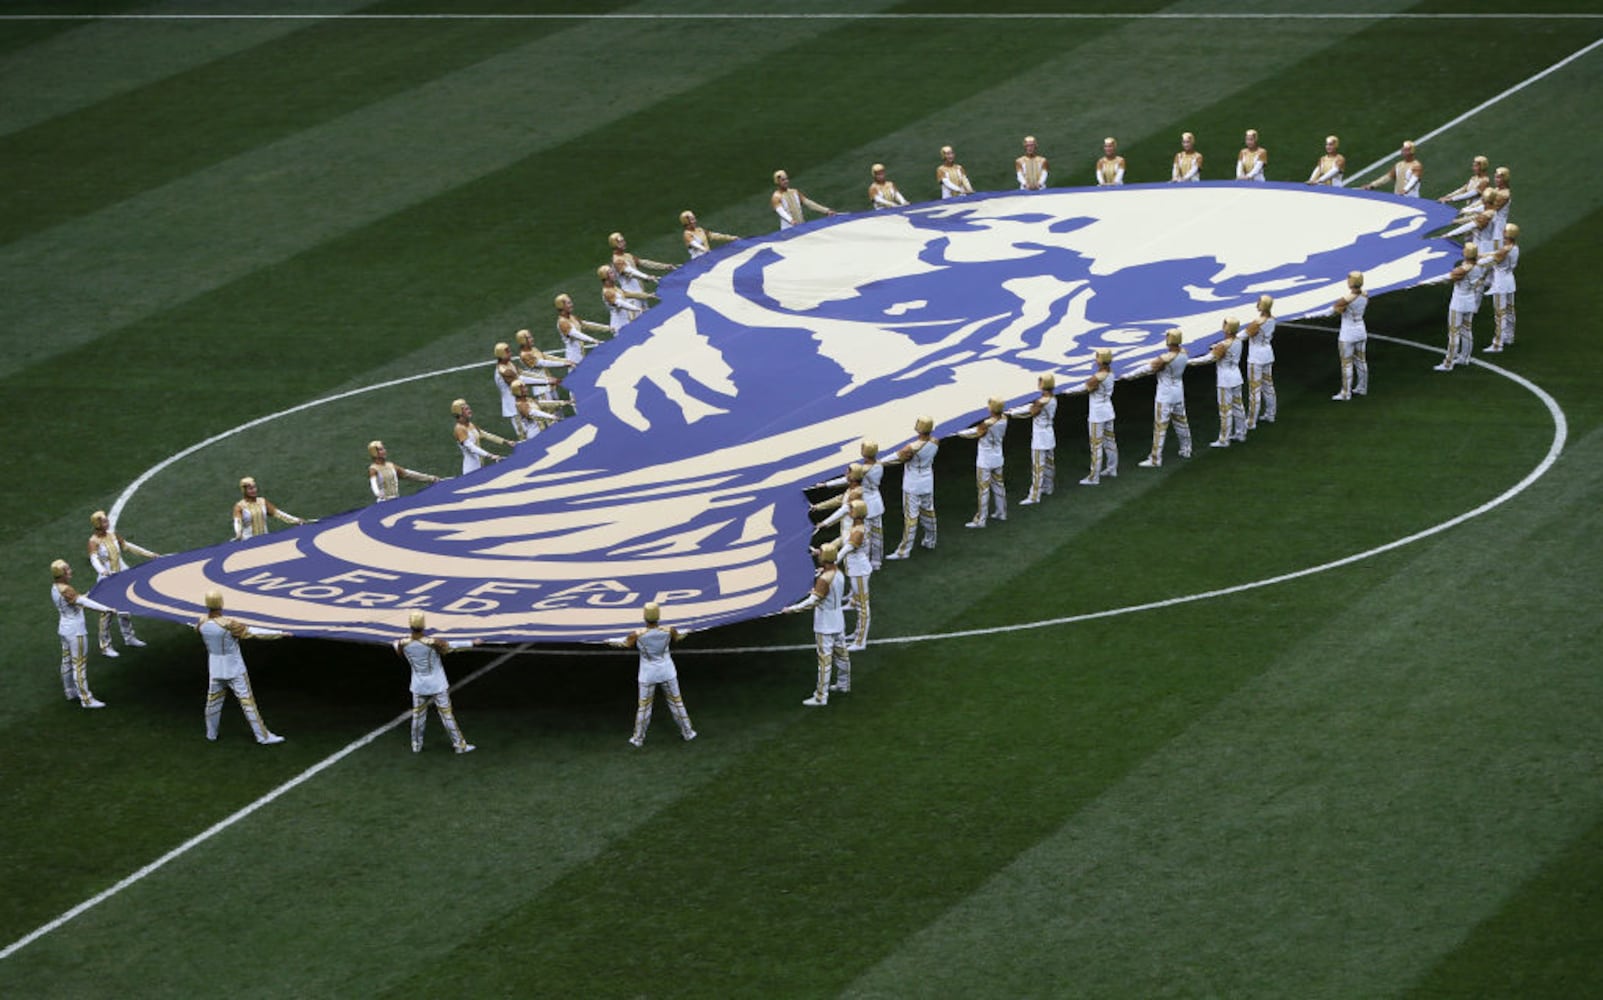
(105, 634)
(216, 692)
(420, 719)
(876, 541)
(442, 705)
(1093, 477)
(253, 715)
(1222, 396)
(647, 698)
(1037, 472)
(1269, 407)
(1453, 323)
(1049, 475)
(1466, 339)
(843, 664)
(1160, 435)
(1238, 415)
(125, 623)
(1360, 368)
(926, 517)
(1345, 350)
(676, 705)
(1182, 428)
(1110, 450)
(910, 518)
(80, 671)
(860, 596)
(1254, 394)
(1507, 325)
(69, 677)
(825, 663)
(981, 484)
(999, 493)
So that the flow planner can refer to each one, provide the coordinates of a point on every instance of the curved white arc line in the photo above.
(1561, 432)
(144, 477)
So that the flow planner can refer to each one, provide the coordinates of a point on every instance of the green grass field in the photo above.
(1377, 780)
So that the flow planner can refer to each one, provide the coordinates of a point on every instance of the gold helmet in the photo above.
(854, 472)
(1047, 382)
(1187, 137)
(1355, 279)
(214, 600)
(604, 272)
(780, 175)
(503, 352)
(457, 406)
(1173, 337)
(1502, 197)
(58, 569)
(859, 509)
(1230, 326)
(247, 481)
(1484, 218)
(100, 515)
(828, 553)
(1408, 145)
(417, 621)
(373, 447)
(1029, 139)
(1488, 195)
(615, 240)
(869, 448)
(1110, 141)
(1512, 231)
(686, 217)
(518, 388)
(995, 405)
(924, 425)
(1471, 250)
(525, 338)
(1252, 133)
(1104, 355)
(1501, 173)
(946, 151)
(876, 169)
(562, 301)
(1331, 140)
(1480, 162)
(652, 613)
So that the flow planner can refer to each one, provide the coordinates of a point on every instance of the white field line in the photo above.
(1560, 434)
(223, 824)
(825, 16)
(1477, 109)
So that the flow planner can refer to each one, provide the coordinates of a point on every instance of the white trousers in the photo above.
(75, 668)
(1503, 302)
(1164, 414)
(1104, 450)
(218, 690)
(442, 707)
(832, 656)
(917, 509)
(676, 705)
(989, 484)
(1232, 414)
(1460, 337)
(1043, 472)
(876, 540)
(1260, 393)
(1354, 367)
(860, 601)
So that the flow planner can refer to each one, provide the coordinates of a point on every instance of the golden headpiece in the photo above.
(686, 217)
(373, 447)
(503, 352)
(562, 301)
(417, 620)
(869, 448)
(214, 600)
(1187, 137)
(1174, 338)
(1355, 279)
(946, 151)
(1471, 250)
(525, 338)
(1104, 356)
(828, 553)
(924, 425)
(859, 509)
(604, 272)
(854, 472)
(1512, 231)
(247, 481)
(876, 168)
(97, 517)
(652, 613)
(1266, 303)
(58, 569)
(518, 388)
(1252, 133)
(457, 406)
(1230, 326)
(1047, 382)
(1501, 173)
(614, 240)
(995, 405)
(1331, 140)
(780, 175)
(1481, 162)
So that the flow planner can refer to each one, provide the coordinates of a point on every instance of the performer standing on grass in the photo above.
(699, 240)
(106, 549)
(1331, 167)
(1110, 169)
(540, 371)
(429, 683)
(829, 627)
(531, 416)
(951, 176)
(226, 668)
(1260, 337)
(631, 269)
(1226, 359)
(1470, 189)
(656, 670)
(1353, 338)
(882, 193)
(1031, 168)
(917, 458)
(873, 474)
(384, 476)
(252, 511)
(1187, 162)
(1041, 412)
(1252, 160)
(1502, 199)
(788, 202)
(988, 479)
(1169, 400)
(852, 556)
(74, 636)
(572, 331)
(622, 306)
(468, 435)
(1467, 279)
(1404, 175)
(1099, 420)
(1503, 262)
(506, 373)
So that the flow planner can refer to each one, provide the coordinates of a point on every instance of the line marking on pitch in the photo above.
(836, 16)
(223, 824)
(1477, 109)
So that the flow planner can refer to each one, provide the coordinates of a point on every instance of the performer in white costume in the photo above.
(1331, 167)
(1260, 337)
(1252, 160)
(531, 416)
(873, 474)
(1169, 400)
(789, 203)
(852, 553)
(506, 375)
(1110, 169)
(1503, 261)
(1404, 175)
(1467, 279)
(1503, 197)
(74, 636)
(540, 371)
(917, 458)
(622, 306)
(226, 668)
(951, 177)
(429, 684)
(1226, 360)
(656, 670)
(698, 239)
(1099, 420)
(826, 601)
(988, 479)
(1041, 412)
(1188, 162)
(251, 512)
(1353, 338)
(468, 435)
(575, 342)
(1031, 169)
(384, 476)
(882, 192)
(1481, 230)
(106, 548)
(1471, 189)
(632, 270)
